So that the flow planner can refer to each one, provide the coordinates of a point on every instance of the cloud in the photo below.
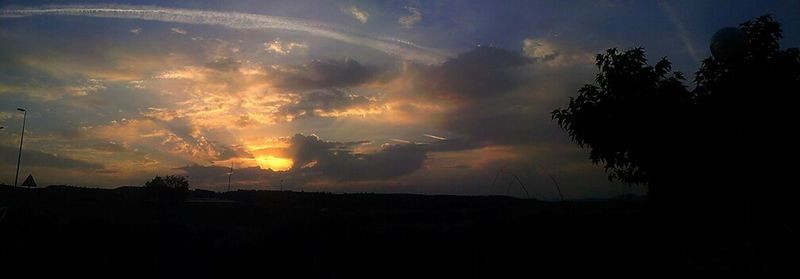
(226, 93)
(490, 95)
(219, 93)
(337, 161)
(539, 49)
(35, 158)
(409, 21)
(360, 15)
(480, 73)
(7, 115)
(184, 137)
(110, 147)
(61, 70)
(498, 122)
(225, 64)
(435, 137)
(555, 53)
(325, 73)
(90, 86)
(328, 102)
(22, 76)
(177, 138)
(30, 83)
(394, 47)
(334, 160)
(178, 30)
(276, 46)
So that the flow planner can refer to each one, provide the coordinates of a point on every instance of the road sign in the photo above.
(29, 181)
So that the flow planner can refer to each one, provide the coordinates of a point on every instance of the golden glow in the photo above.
(274, 163)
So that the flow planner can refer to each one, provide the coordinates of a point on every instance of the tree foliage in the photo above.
(629, 109)
(647, 127)
(167, 190)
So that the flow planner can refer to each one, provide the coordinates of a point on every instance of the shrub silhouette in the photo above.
(719, 139)
(167, 190)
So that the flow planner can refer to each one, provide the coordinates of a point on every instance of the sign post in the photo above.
(30, 182)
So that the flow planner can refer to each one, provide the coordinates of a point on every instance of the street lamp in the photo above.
(21, 137)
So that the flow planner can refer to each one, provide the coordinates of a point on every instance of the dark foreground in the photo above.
(65, 232)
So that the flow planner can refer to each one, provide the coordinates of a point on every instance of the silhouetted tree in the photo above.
(168, 190)
(642, 123)
(749, 103)
(623, 118)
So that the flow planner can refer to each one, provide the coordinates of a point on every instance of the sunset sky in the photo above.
(340, 96)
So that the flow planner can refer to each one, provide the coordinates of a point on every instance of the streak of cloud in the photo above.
(179, 31)
(435, 137)
(667, 8)
(392, 46)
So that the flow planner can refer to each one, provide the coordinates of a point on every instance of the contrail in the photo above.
(681, 29)
(392, 46)
(401, 141)
(434, 137)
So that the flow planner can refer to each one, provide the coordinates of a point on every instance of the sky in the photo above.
(433, 97)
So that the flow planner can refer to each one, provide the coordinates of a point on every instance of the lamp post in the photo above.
(21, 137)
(229, 177)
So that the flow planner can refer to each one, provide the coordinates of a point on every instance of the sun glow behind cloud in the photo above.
(274, 163)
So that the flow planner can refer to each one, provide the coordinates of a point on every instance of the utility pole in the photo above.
(21, 138)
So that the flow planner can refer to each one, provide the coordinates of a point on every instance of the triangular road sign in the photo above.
(29, 181)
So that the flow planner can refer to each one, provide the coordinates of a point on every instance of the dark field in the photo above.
(60, 231)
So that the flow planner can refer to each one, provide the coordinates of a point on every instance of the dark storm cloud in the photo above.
(324, 73)
(34, 158)
(325, 101)
(335, 160)
(181, 127)
(485, 87)
(112, 147)
(318, 85)
(224, 64)
(228, 152)
(305, 149)
(483, 72)
(501, 122)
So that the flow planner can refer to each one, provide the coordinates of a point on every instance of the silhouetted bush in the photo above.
(167, 190)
